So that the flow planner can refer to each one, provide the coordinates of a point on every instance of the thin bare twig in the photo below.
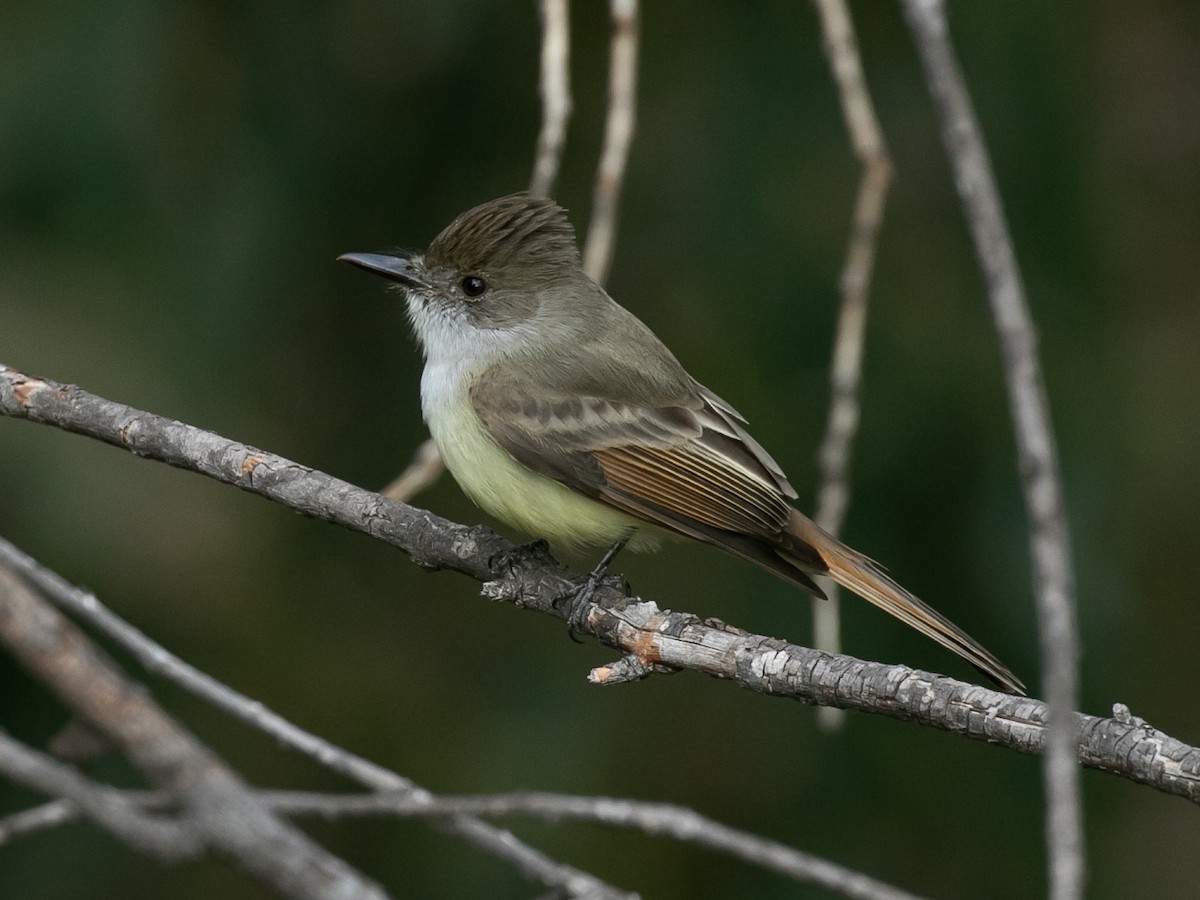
(1120, 745)
(157, 659)
(426, 466)
(38, 818)
(213, 801)
(845, 370)
(656, 819)
(1054, 579)
(555, 88)
(422, 473)
(166, 839)
(618, 135)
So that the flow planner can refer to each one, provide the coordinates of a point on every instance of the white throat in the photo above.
(455, 352)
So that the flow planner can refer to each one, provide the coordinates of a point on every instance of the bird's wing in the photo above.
(684, 464)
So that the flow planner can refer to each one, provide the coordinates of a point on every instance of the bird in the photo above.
(559, 412)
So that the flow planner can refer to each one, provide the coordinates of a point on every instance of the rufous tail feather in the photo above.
(858, 573)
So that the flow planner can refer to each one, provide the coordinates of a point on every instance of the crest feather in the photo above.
(519, 230)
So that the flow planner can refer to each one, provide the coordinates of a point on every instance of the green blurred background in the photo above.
(175, 182)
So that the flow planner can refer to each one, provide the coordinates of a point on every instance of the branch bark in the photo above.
(1122, 745)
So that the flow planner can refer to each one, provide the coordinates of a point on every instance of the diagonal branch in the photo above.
(215, 804)
(845, 370)
(1054, 580)
(166, 839)
(422, 472)
(38, 818)
(533, 864)
(1122, 745)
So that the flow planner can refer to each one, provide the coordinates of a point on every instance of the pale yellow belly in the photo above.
(537, 505)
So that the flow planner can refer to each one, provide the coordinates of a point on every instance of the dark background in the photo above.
(175, 182)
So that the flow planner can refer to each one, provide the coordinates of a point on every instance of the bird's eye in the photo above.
(473, 285)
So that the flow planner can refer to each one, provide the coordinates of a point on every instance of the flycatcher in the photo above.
(559, 412)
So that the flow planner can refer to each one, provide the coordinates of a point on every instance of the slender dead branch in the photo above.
(555, 88)
(532, 864)
(422, 473)
(655, 819)
(667, 820)
(631, 625)
(166, 839)
(426, 466)
(845, 370)
(213, 801)
(37, 819)
(1054, 587)
(618, 136)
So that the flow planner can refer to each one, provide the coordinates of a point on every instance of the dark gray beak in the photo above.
(393, 268)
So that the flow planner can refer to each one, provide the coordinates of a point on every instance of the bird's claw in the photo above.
(510, 560)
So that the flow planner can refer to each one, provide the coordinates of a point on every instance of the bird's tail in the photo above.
(858, 573)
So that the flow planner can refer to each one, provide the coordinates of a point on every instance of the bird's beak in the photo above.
(393, 268)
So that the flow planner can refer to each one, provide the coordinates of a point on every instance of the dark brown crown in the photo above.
(514, 231)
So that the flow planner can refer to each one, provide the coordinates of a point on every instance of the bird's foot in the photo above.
(578, 600)
(511, 560)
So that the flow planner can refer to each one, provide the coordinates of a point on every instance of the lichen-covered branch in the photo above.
(1121, 745)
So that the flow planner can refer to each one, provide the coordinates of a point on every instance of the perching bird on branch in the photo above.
(559, 412)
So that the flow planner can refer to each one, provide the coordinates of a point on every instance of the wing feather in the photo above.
(688, 457)
(664, 476)
(723, 498)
